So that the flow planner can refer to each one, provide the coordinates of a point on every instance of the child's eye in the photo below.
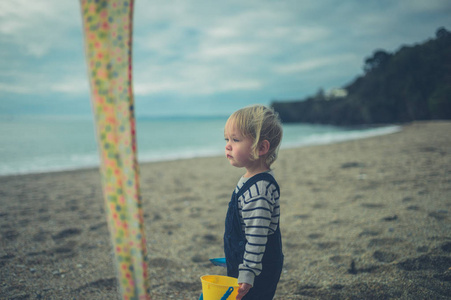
(233, 140)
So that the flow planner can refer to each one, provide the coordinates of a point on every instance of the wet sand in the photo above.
(363, 219)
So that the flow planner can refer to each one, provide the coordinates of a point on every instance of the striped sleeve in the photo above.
(259, 211)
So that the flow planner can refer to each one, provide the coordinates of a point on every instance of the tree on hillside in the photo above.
(412, 84)
(379, 58)
(442, 33)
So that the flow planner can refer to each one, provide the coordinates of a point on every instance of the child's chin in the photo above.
(235, 165)
(231, 162)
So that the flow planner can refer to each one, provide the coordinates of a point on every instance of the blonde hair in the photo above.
(259, 123)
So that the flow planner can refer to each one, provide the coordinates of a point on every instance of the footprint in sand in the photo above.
(368, 232)
(98, 226)
(372, 205)
(327, 245)
(446, 247)
(413, 207)
(101, 284)
(66, 233)
(338, 222)
(302, 217)
(439, 215)
(340, 259)
(407, 199)
(157, 217)
(5, 259)
(199, 258)
(353, 269)
(210, 239)
(308, 290)
(67, 248)
(10, 235)
(314, 236)
(385, 256)
(352, 164)
(72, 205)
(390, 218)
(319, 205)
(41, 236)
(438, 263)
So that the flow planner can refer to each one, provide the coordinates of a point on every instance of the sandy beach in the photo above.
(363, 219)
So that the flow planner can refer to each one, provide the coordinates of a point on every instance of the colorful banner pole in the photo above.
(107, 28)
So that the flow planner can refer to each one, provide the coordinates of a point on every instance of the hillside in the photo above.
(411, 84)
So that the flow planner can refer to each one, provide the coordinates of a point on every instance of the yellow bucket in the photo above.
(215, 286)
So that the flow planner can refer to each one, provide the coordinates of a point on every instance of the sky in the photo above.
(201, 57)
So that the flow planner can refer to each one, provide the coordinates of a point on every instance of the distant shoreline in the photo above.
(315, 140)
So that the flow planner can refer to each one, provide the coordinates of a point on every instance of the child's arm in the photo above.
(257, 210)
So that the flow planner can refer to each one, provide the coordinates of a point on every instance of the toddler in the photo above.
(252, 239)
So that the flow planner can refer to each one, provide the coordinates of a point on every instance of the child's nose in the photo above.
(228, 146)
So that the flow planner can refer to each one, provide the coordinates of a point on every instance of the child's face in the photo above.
(238, 148)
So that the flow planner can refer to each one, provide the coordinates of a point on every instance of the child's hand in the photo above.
(243, 290)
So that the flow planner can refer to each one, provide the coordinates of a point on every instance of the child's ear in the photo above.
(263, 148)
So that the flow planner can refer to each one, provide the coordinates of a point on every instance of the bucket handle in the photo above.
(226, 295)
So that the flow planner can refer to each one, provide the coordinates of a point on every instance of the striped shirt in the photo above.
(259, 211)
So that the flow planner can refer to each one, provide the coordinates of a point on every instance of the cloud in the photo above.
(227, 51)
(214, 49)
(34, 83)
(196, 48)
(16, 89)
(37, 28)
(194, 88)
(317, 63)
(191, 49)
(184, 78)
(70, 85)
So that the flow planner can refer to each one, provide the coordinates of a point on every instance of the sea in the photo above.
(48, 143)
